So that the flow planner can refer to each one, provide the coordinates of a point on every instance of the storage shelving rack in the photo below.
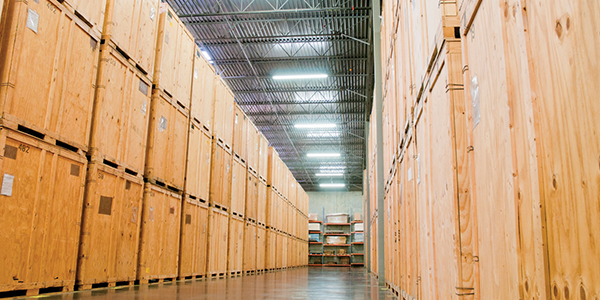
(337, 229)
(357, 247)
(315, 249)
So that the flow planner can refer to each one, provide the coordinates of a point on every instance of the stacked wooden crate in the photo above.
(491, 160)
(47, 84)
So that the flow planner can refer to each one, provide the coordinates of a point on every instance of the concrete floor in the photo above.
(303, 283)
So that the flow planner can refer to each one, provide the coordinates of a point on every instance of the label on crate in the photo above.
(152, 13)
(162, 124)
(7, 185)
(475, 101)
(144, 107)
(195, 73)
(33, 19)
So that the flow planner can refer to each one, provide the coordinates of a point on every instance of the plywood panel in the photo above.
(167, 142)
(92, 12)
(250, 244)
(121, 113)
(48, 71)
(160, 230)
(563, 55)
(41, 205)
(253, 148)
(223, 112)
(197, 157)
(251, 196)
(240, 134)
(238, 189)
(218, 232)
(261, 205)
(203, 97)
(235, 245)
(111, 226)
(132, 27)
(194, 238)
(271, 249)
(263, 157)
(261, 246)
(221, 175)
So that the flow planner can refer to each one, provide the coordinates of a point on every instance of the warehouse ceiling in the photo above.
(250, 41)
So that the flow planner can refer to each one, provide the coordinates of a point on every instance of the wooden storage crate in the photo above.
(221, 175)
(274, 171)
(253, 148)
(280, 252)
(224, 112)
(292, 190)
(271, 249)
(273, 209)
(261, 204)
(160, 232)
(238, 189)
(42, 196)
(263, 157)
(251, 197)
(235, 245)
(132, 28)
(203, 95)
(120, 115)
(199, 148)
(167, 142)
(240, 134)
(218, 230)
(48, 72)
(112, 210)
(250, 244)
(194, 239)
(174, 63)
(261, 247)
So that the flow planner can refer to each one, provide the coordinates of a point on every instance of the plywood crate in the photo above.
(132, 28)
(235, 246)
(221, 175)
(121, 113)
(261, 247)
(240, 134)
(194, 239)
(42, 196)
(224, 112)
(91, 12)
(203, 97)
(218, 232)
(271, 249)
(199, 158)
(174, 63)
(292, 190)
(160, 231)
(273, 209)
(281, 251)
(112, 210)
(253, 148)
(252, 185)
(250, 237)
(238, 189)
(48, 72)
(274, 173)
(263, 158)
(167, 142)
(261, 204)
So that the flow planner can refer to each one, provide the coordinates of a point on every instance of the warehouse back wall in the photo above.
(324, 203)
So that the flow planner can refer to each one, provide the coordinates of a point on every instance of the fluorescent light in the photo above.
(332, 185)
(330, 174)
(323, 154)
(315, 125)
(305, 76)
(324, 134)
(206, 56)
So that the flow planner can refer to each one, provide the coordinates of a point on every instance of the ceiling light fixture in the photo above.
(304, 76)
(316, 125)
(323, 155)
(206, 55)
(332, 185)
(330, 174)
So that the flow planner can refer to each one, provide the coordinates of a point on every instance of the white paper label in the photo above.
(195, 73)
(33, 19)
(7, 185)
(152, 13)
(475, 101)
(410, 174)
(162, 124)
(144, 107)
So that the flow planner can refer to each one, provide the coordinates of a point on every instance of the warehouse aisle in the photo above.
(304, 283)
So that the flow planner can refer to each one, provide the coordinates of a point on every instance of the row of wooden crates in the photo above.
(491, 150)
(119, 136)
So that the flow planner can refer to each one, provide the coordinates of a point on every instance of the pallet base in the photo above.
(157, 280)
(192, 277)
(100, 285)
(37, 291)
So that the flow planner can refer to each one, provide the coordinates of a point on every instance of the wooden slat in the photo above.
(235, 250)
(218, 223)
(194, 238)
(250, 245)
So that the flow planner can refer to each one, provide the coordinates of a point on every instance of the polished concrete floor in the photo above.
(302, 283)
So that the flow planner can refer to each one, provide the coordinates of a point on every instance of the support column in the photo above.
(378, 102)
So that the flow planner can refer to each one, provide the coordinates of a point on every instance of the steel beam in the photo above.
(274, 12)
(269, 60)
(219, 22)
